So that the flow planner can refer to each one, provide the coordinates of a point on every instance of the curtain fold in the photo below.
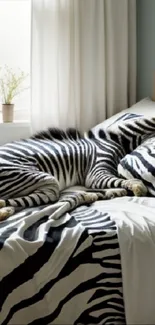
(83, 61)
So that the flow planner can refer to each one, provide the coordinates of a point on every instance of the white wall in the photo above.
(145, 48)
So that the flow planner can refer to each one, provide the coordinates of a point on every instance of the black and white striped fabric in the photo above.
(61, 263)
(34, 171)
(140, 164)
(60, 270)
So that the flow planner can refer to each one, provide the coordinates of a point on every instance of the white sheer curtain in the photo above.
(83, 61)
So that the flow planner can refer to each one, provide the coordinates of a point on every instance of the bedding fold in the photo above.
(135, 219)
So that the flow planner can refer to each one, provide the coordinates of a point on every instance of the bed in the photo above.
(92, 264)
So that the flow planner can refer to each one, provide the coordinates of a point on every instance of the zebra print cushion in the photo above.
(140, 164)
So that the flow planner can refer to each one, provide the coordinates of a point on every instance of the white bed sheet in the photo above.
(135, 218)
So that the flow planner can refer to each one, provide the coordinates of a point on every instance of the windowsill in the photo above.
(14, 124)
(14, 131)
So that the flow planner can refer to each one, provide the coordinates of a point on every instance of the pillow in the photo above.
(144, 107)
(140, 164)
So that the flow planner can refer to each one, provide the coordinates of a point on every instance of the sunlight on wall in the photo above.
(15, 24)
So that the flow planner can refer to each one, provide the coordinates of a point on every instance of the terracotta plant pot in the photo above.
(7, 113)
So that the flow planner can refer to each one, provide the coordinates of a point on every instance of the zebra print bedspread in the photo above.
(60, 268)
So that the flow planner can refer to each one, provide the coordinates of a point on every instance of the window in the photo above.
(15, 24)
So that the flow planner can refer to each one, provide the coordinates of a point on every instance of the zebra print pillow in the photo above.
(140, 164)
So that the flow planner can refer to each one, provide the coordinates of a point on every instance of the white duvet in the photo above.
(135, 218)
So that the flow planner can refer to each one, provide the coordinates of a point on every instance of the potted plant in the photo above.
(10, 87)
